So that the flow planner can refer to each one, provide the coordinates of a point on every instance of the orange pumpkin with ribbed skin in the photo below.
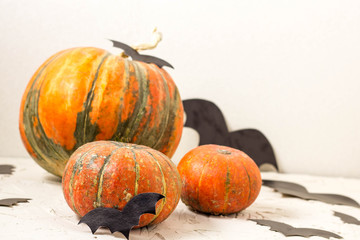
(218, 179)
(87, 94)
(109, 174)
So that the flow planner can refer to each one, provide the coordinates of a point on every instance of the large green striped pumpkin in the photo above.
(109, 174)
(86, 94)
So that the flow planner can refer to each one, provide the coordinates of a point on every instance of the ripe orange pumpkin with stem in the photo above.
(87, 94)
(108, 174)
(218, 179)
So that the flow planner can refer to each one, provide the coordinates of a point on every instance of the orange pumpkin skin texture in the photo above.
(86, 94)
(218, 179)
(109, 174)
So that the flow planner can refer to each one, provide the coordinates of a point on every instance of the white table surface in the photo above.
(47, 215)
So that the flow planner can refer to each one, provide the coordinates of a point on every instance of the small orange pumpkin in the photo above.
(109, 174)
(87, 94)
(218, 179)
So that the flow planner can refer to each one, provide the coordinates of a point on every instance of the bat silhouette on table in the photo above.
(347, 218)
(8, 202)
(135, 55)
(122, 221)
(207, 119)
(6, 169)
(289, 230)
(296, 190)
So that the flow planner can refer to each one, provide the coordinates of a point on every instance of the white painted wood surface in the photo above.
(47, 216)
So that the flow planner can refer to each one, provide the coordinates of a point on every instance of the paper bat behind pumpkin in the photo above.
(207, 119)
(122, 221)
(135, 55)
(289, 230)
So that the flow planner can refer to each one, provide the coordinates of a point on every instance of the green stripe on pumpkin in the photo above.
(227, 187)
(76, 169)
(140, 107)
(85, 131)
(163, 187)
(44, 148)
(100, 178)
(168, 108)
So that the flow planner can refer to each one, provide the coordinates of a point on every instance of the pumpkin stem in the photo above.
(156, 38)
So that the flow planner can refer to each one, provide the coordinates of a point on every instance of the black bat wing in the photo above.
(279, 185)
(255, 144)
(347, 218)
(274, 226)
(334, 199)
(297, 190)
(143, 203)
(207, 120)
(102, 217)
(127, 49)
(308, 232)
(289, 230)
(6, 169)
(122, 221)
(8, 202)
(151, 59)
(135, 55)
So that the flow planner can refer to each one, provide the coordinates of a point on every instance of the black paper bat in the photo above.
(135, 55)
(296, 190)
(8, 202)
(6, 169)
(207, 119)
(289, 230)
(347, 218)
(122, 221)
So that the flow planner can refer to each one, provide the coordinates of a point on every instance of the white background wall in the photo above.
(288, 68)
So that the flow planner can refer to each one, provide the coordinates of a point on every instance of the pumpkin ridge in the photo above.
(227, 187)
(163, 187)
(100, 178)
(144, 94)
(200, 180)
(122, 124)
(167, 108)
(82, 134)
(247, 173)
(137, 173)
(152, 110)
(77, 167)
(169, 134)
(139, 106)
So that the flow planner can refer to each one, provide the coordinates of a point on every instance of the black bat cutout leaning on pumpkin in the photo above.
(289, 230)
(207, 119)
(122, 221)
(135, 55)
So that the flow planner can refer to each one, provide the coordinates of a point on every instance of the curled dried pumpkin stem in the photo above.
(156, 38)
